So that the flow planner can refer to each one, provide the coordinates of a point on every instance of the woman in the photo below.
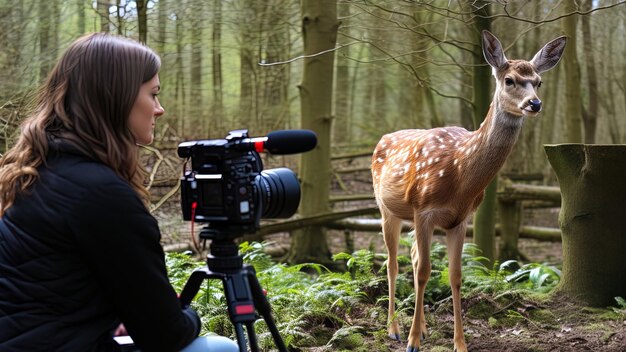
(79, 252)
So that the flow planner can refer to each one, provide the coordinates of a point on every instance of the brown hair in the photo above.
(86, 100)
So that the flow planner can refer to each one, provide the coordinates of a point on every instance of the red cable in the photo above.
(196, 246)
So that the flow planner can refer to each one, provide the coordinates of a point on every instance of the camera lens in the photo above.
(279, 191)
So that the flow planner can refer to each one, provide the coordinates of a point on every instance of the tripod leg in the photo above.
(254, 345)
(263, 307)
(241, 338)
(193, 285)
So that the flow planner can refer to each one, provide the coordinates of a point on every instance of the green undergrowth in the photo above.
(347, 311)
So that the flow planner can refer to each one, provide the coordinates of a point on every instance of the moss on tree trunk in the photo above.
(592, 217)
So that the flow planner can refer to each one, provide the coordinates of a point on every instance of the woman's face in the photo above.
(145, 111)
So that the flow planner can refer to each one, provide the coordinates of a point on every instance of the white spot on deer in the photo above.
(380, 160)
(441, 173)
(455, 161)
(437, 159)
(430, 161)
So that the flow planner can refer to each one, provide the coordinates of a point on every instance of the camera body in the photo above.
(227, 187)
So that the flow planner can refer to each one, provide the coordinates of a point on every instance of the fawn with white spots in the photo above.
(437, 177)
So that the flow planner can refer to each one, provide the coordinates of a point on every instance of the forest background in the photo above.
(380, 66)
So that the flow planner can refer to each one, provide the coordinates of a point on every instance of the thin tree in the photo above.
(44, 42)
(142, 20)
(573, 102)
(216, 59)
(199, 121)
(485, 216)
(103, 9)
(590, 113)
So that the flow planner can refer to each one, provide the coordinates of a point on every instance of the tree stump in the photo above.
(593, 211)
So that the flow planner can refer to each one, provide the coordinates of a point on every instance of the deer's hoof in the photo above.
(395, 337)
(412, 349)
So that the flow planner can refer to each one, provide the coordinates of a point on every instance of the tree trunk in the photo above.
(80, 10)
(573, 103)
(275, 79)
(510, 220)
(590, 116)
(341, 126)
(44, 43)
(216, 57)
(103, 12)
(181, 99)
(198, 125)
(592, 216)
(485, 217)
(142, 20)
(120, 24)
(247, 80)
(319, 30)
(162, 27)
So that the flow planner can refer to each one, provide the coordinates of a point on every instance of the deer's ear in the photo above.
(492, 50)
(549, 55)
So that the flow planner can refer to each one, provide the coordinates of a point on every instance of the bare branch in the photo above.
(306, 56)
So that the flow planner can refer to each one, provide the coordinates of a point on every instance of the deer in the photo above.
(436, 177)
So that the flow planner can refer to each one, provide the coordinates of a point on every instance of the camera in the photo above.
(227, 187)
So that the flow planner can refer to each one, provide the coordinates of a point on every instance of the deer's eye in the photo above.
(539, 85)
(509, 82)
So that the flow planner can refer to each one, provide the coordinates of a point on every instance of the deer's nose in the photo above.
(535, 105)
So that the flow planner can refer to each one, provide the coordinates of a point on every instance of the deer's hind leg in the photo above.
(420, 258)
(391, 232)
(454, 239)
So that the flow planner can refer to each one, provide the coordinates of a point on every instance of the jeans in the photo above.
(212, 343)
(208, 343)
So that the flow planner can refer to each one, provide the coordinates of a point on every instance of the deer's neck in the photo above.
(488, 147)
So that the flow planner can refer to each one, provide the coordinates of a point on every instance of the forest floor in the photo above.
(510, 322)
(507, 323)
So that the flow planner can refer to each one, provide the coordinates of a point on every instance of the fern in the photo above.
(304, 304)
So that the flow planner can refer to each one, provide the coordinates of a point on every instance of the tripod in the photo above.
(243, 292)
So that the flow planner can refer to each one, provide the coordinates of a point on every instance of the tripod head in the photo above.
(223, 254)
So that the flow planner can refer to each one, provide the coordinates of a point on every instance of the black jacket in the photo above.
(78, 254)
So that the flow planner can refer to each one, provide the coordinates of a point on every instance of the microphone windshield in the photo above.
(290, 141)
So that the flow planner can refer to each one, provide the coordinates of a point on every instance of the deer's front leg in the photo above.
(420, 257)
(454, 238)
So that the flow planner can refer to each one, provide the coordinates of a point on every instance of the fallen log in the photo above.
(296, 223)
(374, 225)
(331, 221)
(515, 192)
